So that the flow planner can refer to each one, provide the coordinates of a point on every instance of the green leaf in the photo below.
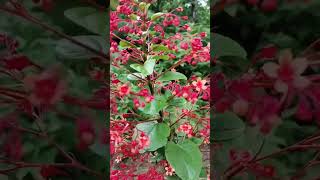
(99, 149)
(133, 17)
(185, 158)
(170, 75)
(149, 65)
(125, 44)
(155, 106)
(156, 16)
(157, 132)
(197, 141)
(139, 68)
(142, 6)
(227, 126)
(224, 46)
(159, 47)
(89, 18)
(164, 57)
(69, 50)
(135, 76)
(114, 4)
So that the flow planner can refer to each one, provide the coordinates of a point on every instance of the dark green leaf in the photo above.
(224, 46)
(69, 50)
(89, 18)
(227, 126)
(185, 158)
(155, 106)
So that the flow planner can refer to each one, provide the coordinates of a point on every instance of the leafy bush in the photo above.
(159, 94)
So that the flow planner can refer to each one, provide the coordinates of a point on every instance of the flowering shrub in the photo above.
(265, 91)
(53, 93)
(160, 121)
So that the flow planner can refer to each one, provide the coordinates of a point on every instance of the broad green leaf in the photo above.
(170, 75)
(149, 65)
(89, 18)
(155, 106)
(224, 46)
(135, 76)
(164, 57)
(157, 132)
(156, 16)
(139, 68)
(69, 50)
(125, 44)
(227, 126)
(185, 158)
(159, 47)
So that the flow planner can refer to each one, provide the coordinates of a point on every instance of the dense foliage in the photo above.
(265, 89)
(160, 121)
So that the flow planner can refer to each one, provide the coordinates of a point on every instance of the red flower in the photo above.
(47, 88)
(17, 62)
(85, 133)
(269, 5)
(304, 111)
(13, 147)
(51, 171)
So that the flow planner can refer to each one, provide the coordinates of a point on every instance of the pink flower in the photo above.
(200, 85)
(187, 129)
(124, 90)
(123, 9)
(288, 72)
(196, 44)
(143, 140)
(240, 107)
(169, 170)
(149, 99)
(184, 45)
(203, 34)
(179, 9)
(185, 18)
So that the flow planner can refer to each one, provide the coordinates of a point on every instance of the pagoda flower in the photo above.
(287, 72)
(187, 129)
(200, 84)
